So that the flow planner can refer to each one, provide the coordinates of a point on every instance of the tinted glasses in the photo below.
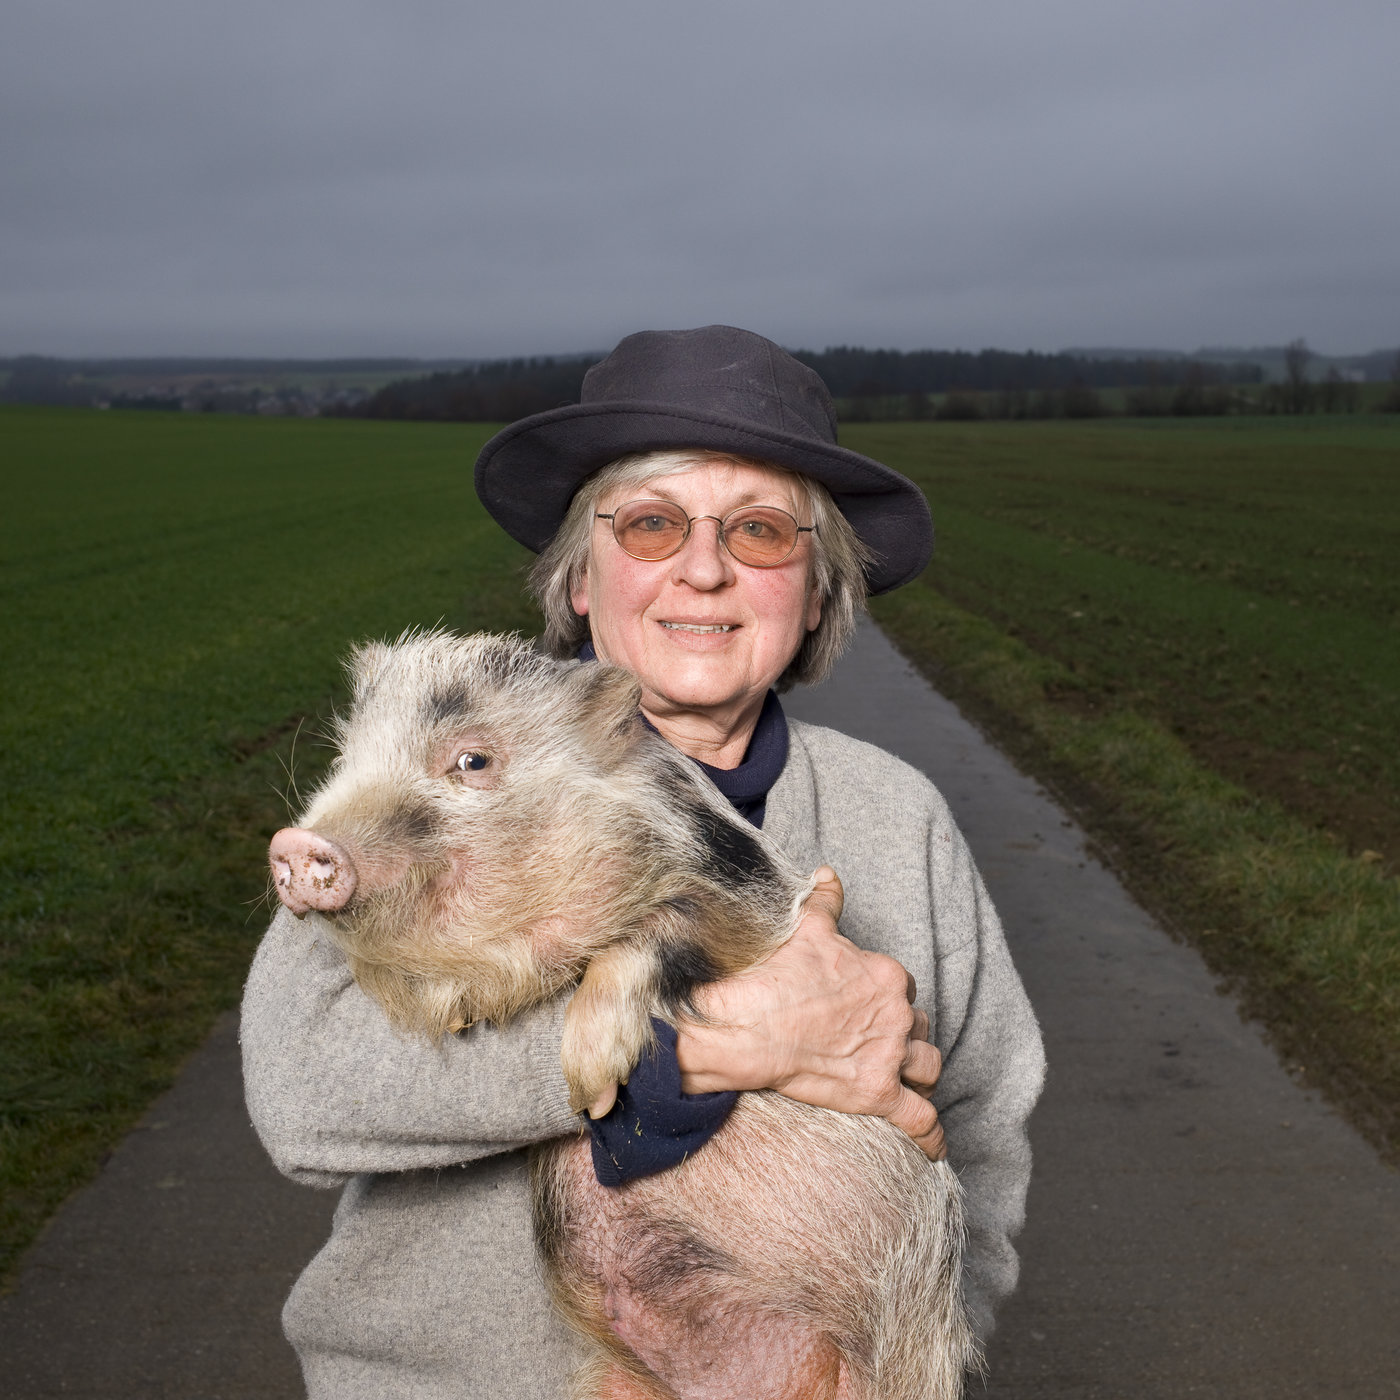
(760, 536)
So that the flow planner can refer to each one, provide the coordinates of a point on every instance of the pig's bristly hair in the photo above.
(589, 833)
(883, 1287)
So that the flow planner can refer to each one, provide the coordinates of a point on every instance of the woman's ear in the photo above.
(578, 594)
(814, 608)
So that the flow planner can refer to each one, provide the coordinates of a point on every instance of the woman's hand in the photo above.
(822, 1021)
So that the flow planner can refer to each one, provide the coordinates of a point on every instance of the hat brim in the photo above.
(528, 473)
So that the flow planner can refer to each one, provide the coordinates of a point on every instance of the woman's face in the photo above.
(701, 631)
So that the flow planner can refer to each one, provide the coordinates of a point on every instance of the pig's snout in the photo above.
(310, 872)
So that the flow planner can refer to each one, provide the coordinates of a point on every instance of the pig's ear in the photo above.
(366, 664)
(607, 697)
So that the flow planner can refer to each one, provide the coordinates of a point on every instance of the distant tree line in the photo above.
(503, 390)
(498, 391)
(867, 384)
(855, 373)
(39, 379)
(1297, 393)
(1197, 394)
(216, 385)
(1192, 389)
(1391, 403)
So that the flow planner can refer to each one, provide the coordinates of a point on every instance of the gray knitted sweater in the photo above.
(429, 1286)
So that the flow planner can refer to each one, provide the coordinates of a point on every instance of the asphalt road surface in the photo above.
(1198, 1225)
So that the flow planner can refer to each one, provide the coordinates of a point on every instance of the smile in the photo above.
(697, 627)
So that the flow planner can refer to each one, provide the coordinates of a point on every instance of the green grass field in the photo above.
(1240, 583)
(1192, 629)
(178, 592)
(1194, 633)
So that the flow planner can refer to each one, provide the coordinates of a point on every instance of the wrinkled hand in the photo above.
(821, 1021)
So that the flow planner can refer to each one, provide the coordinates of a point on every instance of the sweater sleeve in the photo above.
(993, 1069)
(334, 1090)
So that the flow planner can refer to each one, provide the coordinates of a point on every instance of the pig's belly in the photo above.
(763, 1267)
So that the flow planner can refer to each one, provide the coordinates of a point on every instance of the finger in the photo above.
(932, 1145)
(919, 1030)
(914, 1115)
(919, 1119)
(922, 1066)
(912, 987)
(827, 896)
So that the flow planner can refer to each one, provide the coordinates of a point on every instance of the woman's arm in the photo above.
(333, 1090)
(822, 1021)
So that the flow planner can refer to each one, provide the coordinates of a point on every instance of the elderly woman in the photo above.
(698, 525)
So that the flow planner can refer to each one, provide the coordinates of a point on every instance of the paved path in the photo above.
(164, 1279)
(1198, 1225)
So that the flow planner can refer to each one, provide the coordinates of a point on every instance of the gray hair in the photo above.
(838, 560)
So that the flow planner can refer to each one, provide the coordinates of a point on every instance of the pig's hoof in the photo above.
(602, 1105)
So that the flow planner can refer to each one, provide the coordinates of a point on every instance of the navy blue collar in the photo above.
(748, 785)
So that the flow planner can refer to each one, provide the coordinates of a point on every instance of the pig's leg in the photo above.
(608, 1024)
(697, 937)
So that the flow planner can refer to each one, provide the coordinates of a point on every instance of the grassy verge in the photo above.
(176, 593)
(1149, 579)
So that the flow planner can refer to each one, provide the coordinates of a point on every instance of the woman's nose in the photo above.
(703, 561)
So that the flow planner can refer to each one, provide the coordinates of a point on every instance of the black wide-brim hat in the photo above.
(718, 389)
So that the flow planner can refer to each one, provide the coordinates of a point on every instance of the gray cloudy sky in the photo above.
(420, 177)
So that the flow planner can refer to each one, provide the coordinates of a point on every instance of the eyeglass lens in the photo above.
(758, 535)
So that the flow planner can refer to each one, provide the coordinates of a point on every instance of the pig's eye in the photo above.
(472, 761)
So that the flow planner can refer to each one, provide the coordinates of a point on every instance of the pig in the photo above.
(498, 827)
